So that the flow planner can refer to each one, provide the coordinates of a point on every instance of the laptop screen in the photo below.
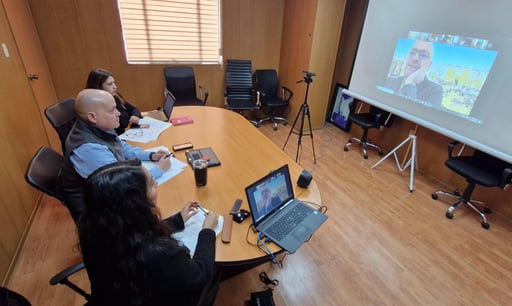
(269, 193)
(168, 105)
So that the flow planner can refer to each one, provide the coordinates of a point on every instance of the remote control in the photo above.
(236, 207)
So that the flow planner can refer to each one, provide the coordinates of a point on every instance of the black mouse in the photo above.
(240, 215)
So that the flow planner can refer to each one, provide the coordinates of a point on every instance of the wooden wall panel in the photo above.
(80, 35)
(311, 31)
(21, 134)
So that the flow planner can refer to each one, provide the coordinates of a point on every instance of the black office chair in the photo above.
(9, 297)
(42, 173)
(478, 169)
(375, 118)
(270, 97)
(62, 117)
(181, 82)
(239, 93)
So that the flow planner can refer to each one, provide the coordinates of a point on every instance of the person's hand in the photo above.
(156, 156)
(164, 163)
(419, 75)
(190, 209)
(134, 119)
(212, 218)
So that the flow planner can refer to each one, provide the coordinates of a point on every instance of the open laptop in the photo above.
(164, 113)
(277, 215)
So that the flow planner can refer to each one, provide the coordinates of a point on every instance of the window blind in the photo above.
(173, 31)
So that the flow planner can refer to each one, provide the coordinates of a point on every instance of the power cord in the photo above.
(264, 278)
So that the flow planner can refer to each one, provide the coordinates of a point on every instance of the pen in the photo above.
(202, 209)
(169, 155)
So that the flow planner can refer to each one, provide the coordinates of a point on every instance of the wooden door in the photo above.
(21, 134)
(34, 60)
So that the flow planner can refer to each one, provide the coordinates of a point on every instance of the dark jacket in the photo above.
(174, 277)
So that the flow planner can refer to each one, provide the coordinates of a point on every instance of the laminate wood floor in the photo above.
(382, 245)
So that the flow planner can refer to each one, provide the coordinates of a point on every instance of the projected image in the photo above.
(442, 71)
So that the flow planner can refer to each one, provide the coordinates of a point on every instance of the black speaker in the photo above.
(304, 179)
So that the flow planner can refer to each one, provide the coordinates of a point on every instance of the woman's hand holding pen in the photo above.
(190, 209)
(193, 207)
(212, 218)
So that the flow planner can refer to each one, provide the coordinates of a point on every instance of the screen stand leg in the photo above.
(411, 162)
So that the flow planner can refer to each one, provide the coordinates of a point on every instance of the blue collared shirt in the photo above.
(90, 156)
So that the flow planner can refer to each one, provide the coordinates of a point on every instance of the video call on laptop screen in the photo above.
(267, 194)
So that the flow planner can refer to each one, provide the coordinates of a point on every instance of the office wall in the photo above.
(80, 35)
(22, 133)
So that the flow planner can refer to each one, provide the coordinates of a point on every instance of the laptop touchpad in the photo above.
(300, 233)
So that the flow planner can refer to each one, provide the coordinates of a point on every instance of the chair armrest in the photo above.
(451, 147)
(286, 93)
(62, 278)
(258, 101)
(64, 274)
(203, 93)
(506, 177)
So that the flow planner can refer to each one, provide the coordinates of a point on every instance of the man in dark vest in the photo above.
(93, 142)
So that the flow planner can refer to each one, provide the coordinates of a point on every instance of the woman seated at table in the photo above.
(103, 79)
(128, 252)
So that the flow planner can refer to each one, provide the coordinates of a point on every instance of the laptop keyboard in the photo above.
(288, 221)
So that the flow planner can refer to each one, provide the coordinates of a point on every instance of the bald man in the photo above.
(93, 142)
(414, 83)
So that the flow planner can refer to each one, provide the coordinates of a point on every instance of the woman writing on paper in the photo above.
(128, 252)
(129, 114)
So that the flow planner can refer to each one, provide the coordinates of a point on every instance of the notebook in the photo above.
(203, 153)
(277, 215)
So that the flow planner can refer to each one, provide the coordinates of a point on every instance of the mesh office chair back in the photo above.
(239, 85)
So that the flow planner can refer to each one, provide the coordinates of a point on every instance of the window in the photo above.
(172, 31)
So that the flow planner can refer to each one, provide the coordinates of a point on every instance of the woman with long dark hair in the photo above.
(103, 79)
(128, 252)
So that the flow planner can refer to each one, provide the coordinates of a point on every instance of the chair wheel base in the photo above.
(449, 215)
(485, 225)
(435, 196)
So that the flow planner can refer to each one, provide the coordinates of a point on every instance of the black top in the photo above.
(127, 110)
(173, 277)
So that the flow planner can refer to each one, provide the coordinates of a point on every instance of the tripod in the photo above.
(303, 112)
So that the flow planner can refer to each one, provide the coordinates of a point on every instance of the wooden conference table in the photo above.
(245, 154)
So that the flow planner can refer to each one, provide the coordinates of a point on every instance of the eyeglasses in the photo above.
(133, 133)
(422, 54)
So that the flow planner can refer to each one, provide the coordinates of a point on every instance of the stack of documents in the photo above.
(149, 133)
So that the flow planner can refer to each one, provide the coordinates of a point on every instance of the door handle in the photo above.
(33, 76)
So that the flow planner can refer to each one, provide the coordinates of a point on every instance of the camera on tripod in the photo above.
(308, 75)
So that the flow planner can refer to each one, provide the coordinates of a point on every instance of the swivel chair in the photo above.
(478, 169)
(62, 117)
(42, 173)
(374, 119)
(239, 93)
(267, 86)
(181, 82)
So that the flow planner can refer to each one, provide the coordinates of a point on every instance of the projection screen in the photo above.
(444, 65)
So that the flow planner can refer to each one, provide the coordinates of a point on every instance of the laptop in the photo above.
(164, 113)
(277, 215)
(168, 105)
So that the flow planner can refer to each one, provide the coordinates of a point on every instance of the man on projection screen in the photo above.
(414, 83)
